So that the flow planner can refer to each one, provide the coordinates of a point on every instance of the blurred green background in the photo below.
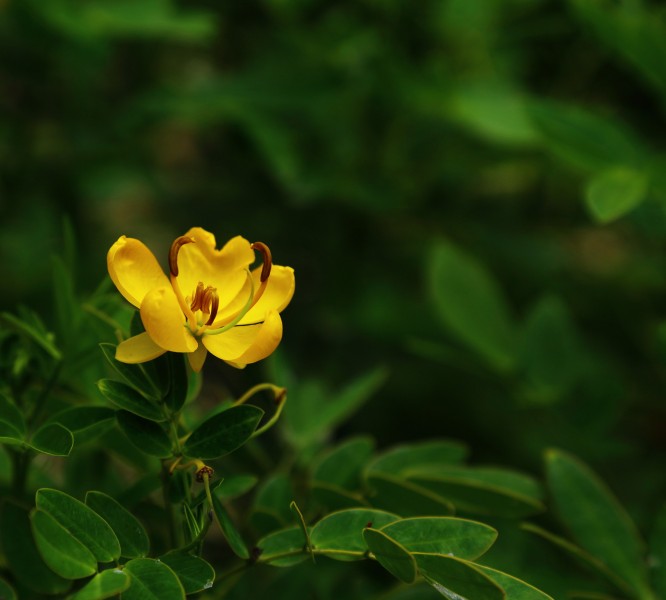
(471, 192)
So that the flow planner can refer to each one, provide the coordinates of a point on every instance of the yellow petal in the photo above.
(138, 349)
(279, 291)
(134, 269)
(197, 358)
(164, 321)
(222, 269)
(246, 344)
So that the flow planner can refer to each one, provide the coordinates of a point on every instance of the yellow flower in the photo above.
(212, 302)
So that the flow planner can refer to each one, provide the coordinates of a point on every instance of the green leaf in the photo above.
(131, 374)
(584, 139)
(67, 306)
(336, 498)
(550, 353)
(9, 434)
(85, 422)
(146, 435)
(53, 439)
(595, 518)
(43, 339)
(192, 523)
(152, 580)
(404, 497)
(391, 555)
(336, 478)
(455, 578)
(312, 412)
(195, 574)
(223, 433)
(10, 414)
(22, 555)
(421, 457)
(271, 505)
(340, 534)
(125, 397)
(461, 538)
(61, 551)
(124, 19)
(342, 465)
(285, 541)
(514, 588)
(492, 109)
(139, 490)
(103, 585)
(229, 530)
(470, 304)
(614, 192)
(236, 485)
(581, 556)
(485, 490)
(178, 381)
(82, 522)
(132, 536)
(658, 553)
(6, 591)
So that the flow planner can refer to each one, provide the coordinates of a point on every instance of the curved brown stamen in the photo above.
(178, 243)
(197, 299)
(214, 305)
(268, 260)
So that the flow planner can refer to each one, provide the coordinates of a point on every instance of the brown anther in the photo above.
(205, 470)
(178, 243)
(198, 297)
(214, 305)
(268, 260)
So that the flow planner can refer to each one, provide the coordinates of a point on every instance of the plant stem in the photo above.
(20, 464)
(169, 508)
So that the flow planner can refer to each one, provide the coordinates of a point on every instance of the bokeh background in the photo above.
(471, 192)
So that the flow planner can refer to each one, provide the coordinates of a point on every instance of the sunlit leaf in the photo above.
(152, 580)
(106, 584)
(61, 551)
(81, 522)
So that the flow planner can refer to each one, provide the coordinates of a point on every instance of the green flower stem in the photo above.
(169, 508)
(175, 530)
(260, 387)
(281, 402)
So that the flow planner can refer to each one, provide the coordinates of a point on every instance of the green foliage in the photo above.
(132, 536)
(223, 433)
(64, 553)
(598, 522)
(469, 302)
(152, 579)
(106, 584)
(229, 530)
(391, 555)
(472, 196)
(194, 573)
